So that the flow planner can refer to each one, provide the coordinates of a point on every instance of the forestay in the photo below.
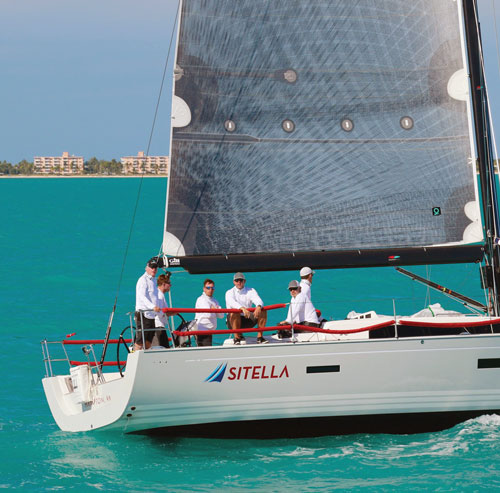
(320, 126)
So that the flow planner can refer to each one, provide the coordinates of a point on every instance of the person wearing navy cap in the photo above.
(146, 298)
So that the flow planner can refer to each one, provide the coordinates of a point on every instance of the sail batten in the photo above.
(319, 126)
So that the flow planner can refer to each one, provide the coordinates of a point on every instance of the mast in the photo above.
(484, 149)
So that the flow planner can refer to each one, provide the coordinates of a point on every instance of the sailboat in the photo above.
(372, 119)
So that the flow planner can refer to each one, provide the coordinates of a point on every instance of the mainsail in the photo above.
(321, 126)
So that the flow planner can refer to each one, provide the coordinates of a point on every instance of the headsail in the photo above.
(320, 126)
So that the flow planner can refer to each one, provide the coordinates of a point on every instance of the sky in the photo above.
(84, 76)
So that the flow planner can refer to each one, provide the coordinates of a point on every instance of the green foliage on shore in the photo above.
(21, 168)
(96, 166)
(93, 166)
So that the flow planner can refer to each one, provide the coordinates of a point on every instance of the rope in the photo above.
(217, 310)
(285, 327)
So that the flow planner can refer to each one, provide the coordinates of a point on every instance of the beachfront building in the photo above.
(137, 165)
(58, 165)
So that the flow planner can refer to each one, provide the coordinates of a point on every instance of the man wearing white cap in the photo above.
(306, 277)
(242, 298)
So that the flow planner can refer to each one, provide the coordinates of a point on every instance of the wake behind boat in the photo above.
(328, 134)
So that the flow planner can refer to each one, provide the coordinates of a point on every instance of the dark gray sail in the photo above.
(319, 126)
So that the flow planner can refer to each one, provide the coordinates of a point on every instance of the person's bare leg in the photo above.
(261, 321)
(235, 321)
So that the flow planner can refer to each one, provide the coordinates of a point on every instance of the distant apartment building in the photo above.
(58, 165)
(155, 165)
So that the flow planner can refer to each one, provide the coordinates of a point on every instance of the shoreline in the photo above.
(13, 177)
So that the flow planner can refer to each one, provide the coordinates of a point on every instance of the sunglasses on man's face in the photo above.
(292, 289)
(209, 287)
(239, 280)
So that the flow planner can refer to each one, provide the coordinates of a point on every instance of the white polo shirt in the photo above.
(146, 295)
(245, 297)
(305, 286)
(207, 321)
(301, 309)
(161, 319)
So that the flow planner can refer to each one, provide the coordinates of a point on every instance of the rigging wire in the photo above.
(428, 293)
(134, 214)
(489, 148)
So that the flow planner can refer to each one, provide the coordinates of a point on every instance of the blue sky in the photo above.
(83, 76)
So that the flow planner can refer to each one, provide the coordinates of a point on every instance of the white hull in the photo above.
(169, 388)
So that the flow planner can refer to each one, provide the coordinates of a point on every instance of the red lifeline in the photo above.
(256, 373)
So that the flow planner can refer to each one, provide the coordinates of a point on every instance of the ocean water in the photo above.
(62, 245)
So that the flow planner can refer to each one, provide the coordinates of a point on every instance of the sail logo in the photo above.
(218, 374)
(173, 261)
(254, 372)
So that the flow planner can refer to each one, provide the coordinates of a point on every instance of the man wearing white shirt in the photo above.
(242, 298)
(146, 298)
(207, 321)
(306, 277)
(301, 310)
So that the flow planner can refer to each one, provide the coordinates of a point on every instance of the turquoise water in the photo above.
(62, 246)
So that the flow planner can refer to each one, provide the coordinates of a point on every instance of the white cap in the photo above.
(305, 271)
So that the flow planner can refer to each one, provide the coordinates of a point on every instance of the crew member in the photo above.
(146, 298)
(161, 321)
(306, 277)
(301, 310)
(208, 320)
(242, 298)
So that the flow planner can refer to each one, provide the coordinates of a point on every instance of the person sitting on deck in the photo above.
(242, 298)
(164, 284)
(207, 321)
(146, 298)
(301, 310)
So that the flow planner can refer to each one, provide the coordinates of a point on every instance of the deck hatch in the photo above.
(488, 363)
(324, 369)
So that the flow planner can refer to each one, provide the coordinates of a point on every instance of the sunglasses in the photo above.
(239, 280)
(292, 289)
(209, 287)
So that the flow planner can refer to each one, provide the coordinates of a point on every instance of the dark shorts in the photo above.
(204, 340)
(148, 324)
(160, 338)
(246, 323)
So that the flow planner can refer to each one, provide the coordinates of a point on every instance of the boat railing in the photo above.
(88, 349)
(177, 311)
